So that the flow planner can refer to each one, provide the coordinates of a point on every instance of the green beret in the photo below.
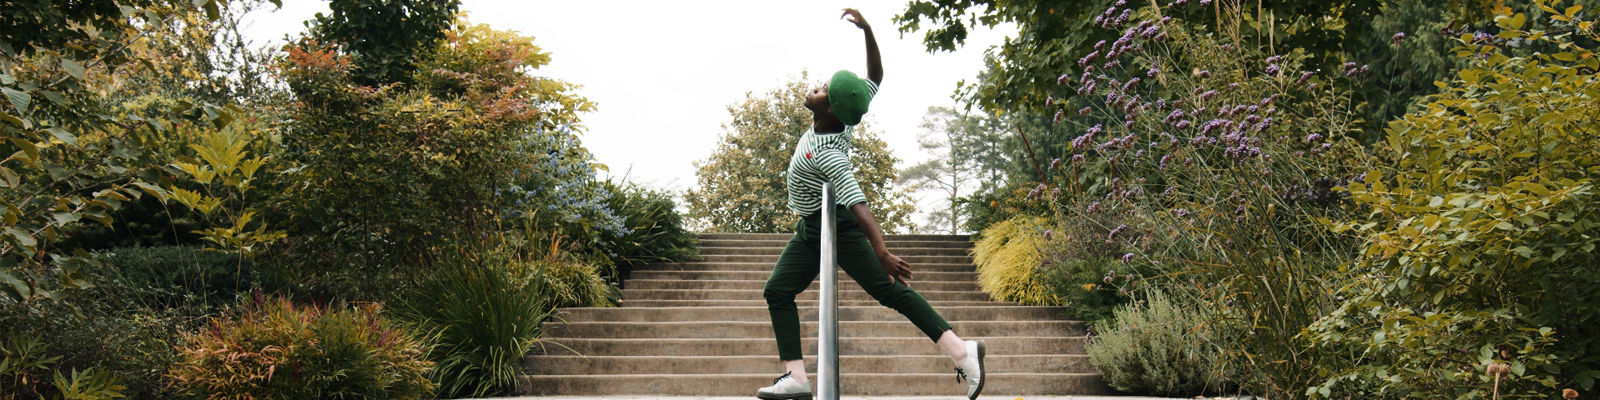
(848, 97)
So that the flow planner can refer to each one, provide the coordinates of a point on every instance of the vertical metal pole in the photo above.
(827, 320)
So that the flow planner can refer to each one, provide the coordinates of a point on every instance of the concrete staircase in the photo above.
(702, 329)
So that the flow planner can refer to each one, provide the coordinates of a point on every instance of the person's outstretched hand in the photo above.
(850, 14)
(897, 269)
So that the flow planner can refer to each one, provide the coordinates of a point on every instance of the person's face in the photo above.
(817, 98)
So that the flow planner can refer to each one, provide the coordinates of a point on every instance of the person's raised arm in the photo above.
(874, 61)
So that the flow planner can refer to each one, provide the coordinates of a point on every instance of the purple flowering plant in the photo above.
(1203, 177)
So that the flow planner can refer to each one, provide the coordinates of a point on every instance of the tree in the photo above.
(68, 159)
(742, 182)
(385, 37)
(384, 174)
(1054, 34)
(965, 149)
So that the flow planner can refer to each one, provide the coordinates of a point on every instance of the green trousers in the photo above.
(799, 264)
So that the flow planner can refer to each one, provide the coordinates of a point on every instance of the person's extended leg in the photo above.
(860, 261)
(796, 268)
(858, 258)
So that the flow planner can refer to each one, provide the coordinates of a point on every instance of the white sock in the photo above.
(953, 346)
(797, 370)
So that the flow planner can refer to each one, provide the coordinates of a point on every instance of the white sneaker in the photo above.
(971, 370)
(785, 388)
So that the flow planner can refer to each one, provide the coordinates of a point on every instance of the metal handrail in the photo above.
(827, 315)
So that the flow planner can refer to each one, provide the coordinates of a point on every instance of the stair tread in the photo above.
(691, 319)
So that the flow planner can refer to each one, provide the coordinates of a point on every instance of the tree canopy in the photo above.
(742, 182)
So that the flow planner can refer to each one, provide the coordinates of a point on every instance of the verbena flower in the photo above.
(1114, 232)
(1150, 31)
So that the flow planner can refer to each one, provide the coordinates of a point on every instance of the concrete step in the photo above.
(922, 364)
(759, 284)
(760, 314)
(1000, 385)
(779, 243)
(846, 292)
(773, 258)
(701, 328)
(968, 276)
(774, 251)
(748, 266)
(802, 302)
(734, 329)
(767, 346)
(787, 235)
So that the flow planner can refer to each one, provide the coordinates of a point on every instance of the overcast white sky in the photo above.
(663, 73)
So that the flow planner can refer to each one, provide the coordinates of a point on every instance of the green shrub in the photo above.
(24, 364)
(989, 207)
(274, 349)
(165, 277)
(1089, 288)
(655, 231)
(570, 283)
(90, 384)
(86, 332)
(1009, 255)
(481, 313)
(1479, 243)
(1088, 261)
(1160, 347)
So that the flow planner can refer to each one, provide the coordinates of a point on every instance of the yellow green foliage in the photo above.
(1479, 245)
(1008, 257)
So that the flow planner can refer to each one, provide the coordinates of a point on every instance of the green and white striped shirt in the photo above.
(824, 157)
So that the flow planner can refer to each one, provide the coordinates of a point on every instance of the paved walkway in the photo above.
(844, 398)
